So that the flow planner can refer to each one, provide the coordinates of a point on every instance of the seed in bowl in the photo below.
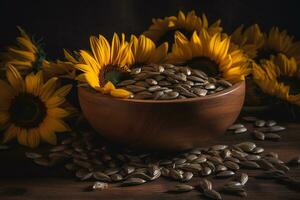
(167, 82)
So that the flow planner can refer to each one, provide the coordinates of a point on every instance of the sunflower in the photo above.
(145, 52)
(106, 65)
(259, 45)
(249, 39)
(211, 54)
(26, 56)
(163, 30)
(29, 109)
(278, 77)
(62, 69)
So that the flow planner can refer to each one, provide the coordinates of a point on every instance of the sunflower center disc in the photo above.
(112, 74)
(205, 64)
(27, 111)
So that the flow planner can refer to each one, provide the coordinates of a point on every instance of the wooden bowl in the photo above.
(162, 124)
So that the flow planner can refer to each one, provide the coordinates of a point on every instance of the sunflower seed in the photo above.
(232, 183)
(126, 82)
(225, 174)
(212, 194)
(135, 88)
(219, 147)
(142, 84)
(206, 171)
(274, 129)
(270, 123)
(210, 86)
(187, 176)
(224, 83)
(236, 126)
(259, 135)
(135, 71)
(260, 123)
(33, 155)
(199, 91)
(100, 176)
(42, 162)
(247, 146)
(186, 71)
(99, 186)
(133, 182)
(199, 74)
(205, 184)
(220, 168)
(249, 118)
(240, 130)
(151, 81)
(281, 166)
(175, 174)
(116, 177)
(272, 136)
(183, 188)
(143, 95)
(250, 164)
(169, 95)
(258, 150)
(242, 178)
(231, 165)
(191, 157)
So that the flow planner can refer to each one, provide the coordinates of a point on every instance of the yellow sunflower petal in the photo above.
(22, 136)
(55, 101)
(33, 138)
(47, 134)
(69, 57)
(48, 89)
(57, 112)
(14, 78)
(108, 87)
(120, 93)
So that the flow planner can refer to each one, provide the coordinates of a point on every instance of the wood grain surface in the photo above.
(20, 179)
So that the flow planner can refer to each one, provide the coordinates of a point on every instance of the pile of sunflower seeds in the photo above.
(87, 161)
(262, 129)
(166, 82)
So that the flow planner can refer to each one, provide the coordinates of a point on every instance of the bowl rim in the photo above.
(224, 92)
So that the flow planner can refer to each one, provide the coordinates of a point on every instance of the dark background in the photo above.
(69, 23)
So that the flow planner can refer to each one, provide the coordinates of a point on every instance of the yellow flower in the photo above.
(211, 54)
(145, 52)
(106, 64)
(261, 46)
(278, 77)
(26, 56)
(63, 69)
(249, 39)
(30, 109)
(163, 30)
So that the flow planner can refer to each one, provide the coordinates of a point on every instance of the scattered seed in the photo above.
(212, 194)
(183, 188)
(99, 186)
(133, 182)
(240, 130)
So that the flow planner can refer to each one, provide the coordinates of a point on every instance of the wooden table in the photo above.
(21, 179)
